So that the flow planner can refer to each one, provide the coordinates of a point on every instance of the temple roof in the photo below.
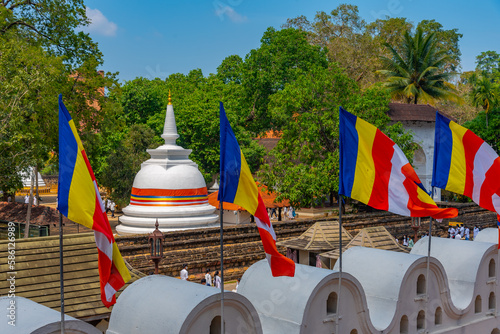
(374, 237)
(400, 112)
(37, 278)
(322, 236)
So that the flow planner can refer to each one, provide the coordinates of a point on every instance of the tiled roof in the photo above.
(374, 237)
(37, 274)
(400, 112)
(268, 198)
(322, 236)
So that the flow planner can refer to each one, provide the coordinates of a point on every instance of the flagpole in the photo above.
(340, 262)
(221, 265)
(61, 270)
(428, 262)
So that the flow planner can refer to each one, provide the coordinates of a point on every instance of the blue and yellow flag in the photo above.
(79, 200)
(238, 186)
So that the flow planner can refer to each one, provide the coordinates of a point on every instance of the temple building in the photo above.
(169, 187)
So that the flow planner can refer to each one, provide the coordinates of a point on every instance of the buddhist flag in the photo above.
(238, 186)
(79, 200)
(498, 225)
(374, 171)
(466, 164)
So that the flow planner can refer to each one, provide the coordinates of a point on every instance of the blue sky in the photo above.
(157, 38)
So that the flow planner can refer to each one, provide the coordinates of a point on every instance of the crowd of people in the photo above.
(459, 232)
(110, 206)
(288, 213)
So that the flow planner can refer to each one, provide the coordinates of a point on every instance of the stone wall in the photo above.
(200, 248)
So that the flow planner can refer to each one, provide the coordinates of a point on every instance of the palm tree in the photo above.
(416, 72)
(484, 93)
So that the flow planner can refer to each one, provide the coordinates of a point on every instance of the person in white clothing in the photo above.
(184, 272)
(458, 236)
(462, 231)
(112, 208)
(217, 281)
(476, 231)
(467, 233)
(26, 199)
(208, 278)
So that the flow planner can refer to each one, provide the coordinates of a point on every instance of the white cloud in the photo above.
(99, 23)
(230, 13)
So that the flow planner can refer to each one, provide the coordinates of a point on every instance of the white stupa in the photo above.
(169, 187)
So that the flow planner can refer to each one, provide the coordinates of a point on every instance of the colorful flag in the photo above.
(238, 186)
(466, 164)
(374, 171)
(498, 225)
(79, 200)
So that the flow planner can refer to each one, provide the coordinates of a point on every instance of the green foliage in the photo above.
(282, 55)
(52, 25)
(490, 134)
(123, 164)
(488, 62)
(447, 40)
(417, 73)
(41, 55)
(305, 166)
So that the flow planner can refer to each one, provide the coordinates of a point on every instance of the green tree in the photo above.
(484, 94)
(122, 165)
(417, 72)
(488, 62)
(305, 166)
(490, 134)
(52, 25)
(281, 56)
(447, 40)
(43, 55)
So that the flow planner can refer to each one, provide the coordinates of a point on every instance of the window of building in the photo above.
(215, 325)
(421, 320)
(331, 303)
(492, 303)
(492, 269)
(403, 325)
(438, 316)
(477, 305)
(421, 285)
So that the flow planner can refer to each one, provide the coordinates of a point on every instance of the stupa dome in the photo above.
(169, 187)
(176, 177)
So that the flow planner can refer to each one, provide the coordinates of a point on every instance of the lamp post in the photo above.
(415, 225)
(156, 243)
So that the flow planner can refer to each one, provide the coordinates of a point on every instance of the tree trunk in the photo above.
(36, 183)
(28, 215)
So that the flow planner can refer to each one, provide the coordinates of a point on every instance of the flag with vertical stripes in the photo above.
(238, 186)
(78, 199)
(465, 164)
(374, 171)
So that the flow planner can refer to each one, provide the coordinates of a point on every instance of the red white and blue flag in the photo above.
(374, 171)
(238, 186)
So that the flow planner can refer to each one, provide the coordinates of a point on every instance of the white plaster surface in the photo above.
(162, 304)
(489, 234)
(169, 168)
(31, 316)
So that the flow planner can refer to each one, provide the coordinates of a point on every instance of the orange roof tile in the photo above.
(268, 197)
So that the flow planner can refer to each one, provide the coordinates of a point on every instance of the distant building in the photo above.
(420, 119)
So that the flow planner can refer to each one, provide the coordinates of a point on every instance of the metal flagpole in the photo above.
(61, 271)
(221, 264)
(428, 262)
(340, 262)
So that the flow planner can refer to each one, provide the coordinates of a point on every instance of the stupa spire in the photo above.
(170, 128)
